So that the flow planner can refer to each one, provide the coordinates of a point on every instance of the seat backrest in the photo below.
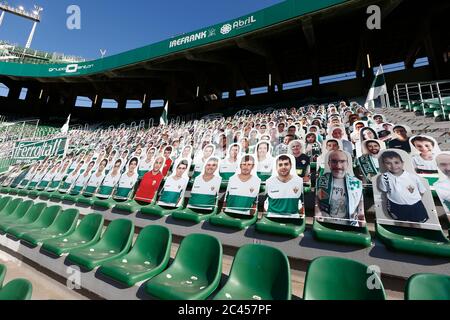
(33, 213)
(153, 243)
(90, 227)
(200, 254)
(11, 206)
(22, 208)
(65, 221)
(332, 278)
(264, 269)
(118, 235)
(2, 274)
(428, 286)
(47, 217)
(18, 289)
(4, 201)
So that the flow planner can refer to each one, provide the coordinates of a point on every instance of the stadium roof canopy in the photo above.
(288, 42)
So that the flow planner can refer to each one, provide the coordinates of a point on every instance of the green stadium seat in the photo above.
(86, 200)
(130, 206)
(2, 274)
(18, 289)
(63, 225)
(159, 211)
(86, 234)
(359, 236)
(4, 202)
(418, 241)
(5, 190)
(194, 215)
(194, 274)
(284, 226)
(19, 212)
(10, 207)
(232, 220)
(31, 215)
(258, 273)
(114, 244)
(148, 257)
(428, 287)
(45, 219)
(13, 191)
(107, 204)
(333, 278)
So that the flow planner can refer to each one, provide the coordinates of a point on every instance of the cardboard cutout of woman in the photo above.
(264, 161)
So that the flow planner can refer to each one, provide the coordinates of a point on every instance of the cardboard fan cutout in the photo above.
(402, 198)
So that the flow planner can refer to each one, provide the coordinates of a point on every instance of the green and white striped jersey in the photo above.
(228, 169)
(242, 195)
(173, 191)
(204, 194)
(284, 199)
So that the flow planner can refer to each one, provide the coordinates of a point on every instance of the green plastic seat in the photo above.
(114, 244)
(258, 273)
(105, 203)
(129, 206)
(194, 274)
(4, 202)
(45, 219)
(57, 195)
(158, 211)
(194, 215)
(23, 192)
(333, 278)
(30, 216)
(418, 241)
(5, 190)
(63, 225)
(234, 221)
(86, 234)
(10, 207)
(428, 286)
(13, 191)
(284, 226)
(18, 289)
(34, 193)
(18, 213)
(148, 257)
(359, 236)
(2, 274)
(87, 200)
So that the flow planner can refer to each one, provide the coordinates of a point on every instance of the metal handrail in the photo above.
(419, 92)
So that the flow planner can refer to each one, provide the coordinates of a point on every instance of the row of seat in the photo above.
(440, 110)
(258, 271)
(17, 289)
(416, 241)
